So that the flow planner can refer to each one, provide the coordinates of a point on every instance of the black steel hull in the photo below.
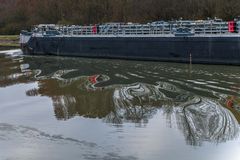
(210, 50)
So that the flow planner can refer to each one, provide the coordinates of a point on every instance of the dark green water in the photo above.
(73, 108)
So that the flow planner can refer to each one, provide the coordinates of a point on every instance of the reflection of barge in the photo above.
(208, 41)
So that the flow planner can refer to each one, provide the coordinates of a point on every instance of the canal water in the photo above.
(96, 109)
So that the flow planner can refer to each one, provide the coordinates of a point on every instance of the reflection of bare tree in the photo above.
(202, 120)
(32, 92)
(138, 102)
(199, 119)
(76, 97)
(135, 114)
(61, 106)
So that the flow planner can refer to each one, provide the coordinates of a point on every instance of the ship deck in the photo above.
(148, 35)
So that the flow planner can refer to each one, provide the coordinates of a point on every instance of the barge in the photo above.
(202, 41)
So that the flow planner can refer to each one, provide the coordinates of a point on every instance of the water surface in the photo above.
(78, 108)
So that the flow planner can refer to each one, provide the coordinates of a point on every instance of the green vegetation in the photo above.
(9, 37)
(9, 45)
(9, 41)
(16, 15)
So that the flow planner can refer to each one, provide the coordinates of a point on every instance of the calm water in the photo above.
(72, 108)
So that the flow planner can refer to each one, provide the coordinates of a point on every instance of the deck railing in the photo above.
(161, 27)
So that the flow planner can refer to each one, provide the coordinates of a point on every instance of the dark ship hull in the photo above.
(197, 49)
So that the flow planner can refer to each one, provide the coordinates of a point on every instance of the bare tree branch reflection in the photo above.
(203, 120)
(73, 94)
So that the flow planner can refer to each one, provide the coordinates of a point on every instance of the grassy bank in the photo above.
(9, 37)
(9, 41)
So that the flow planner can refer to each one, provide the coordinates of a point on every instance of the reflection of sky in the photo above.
(85, 138)
(8, 93)
(161, 141)
(152, 141)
